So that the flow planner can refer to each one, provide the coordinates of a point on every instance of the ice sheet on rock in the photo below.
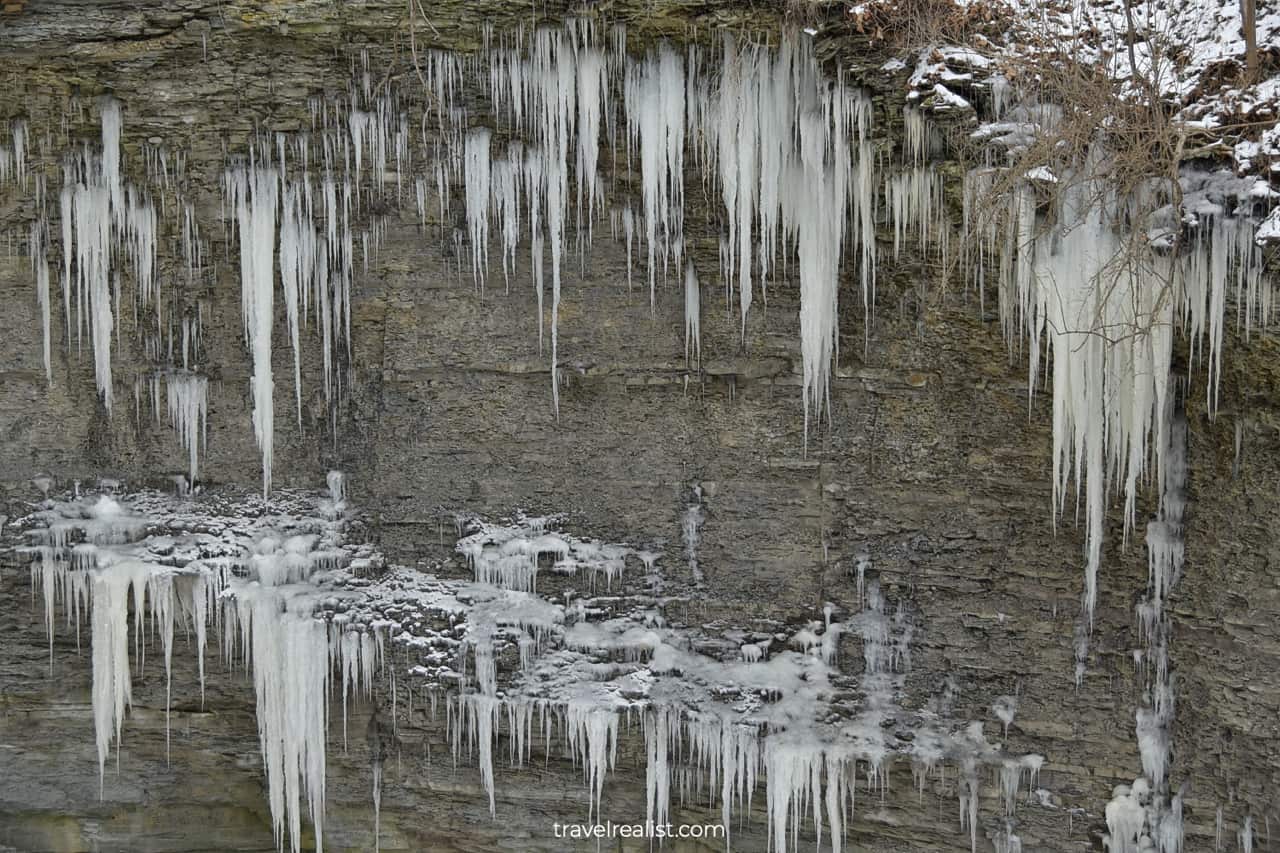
(1126, 819)
(511, 556)
(739, 719)
(691, 533)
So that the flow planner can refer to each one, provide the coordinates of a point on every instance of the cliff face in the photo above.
(933, 465)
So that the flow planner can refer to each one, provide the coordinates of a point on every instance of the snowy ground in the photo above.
(1194, 52)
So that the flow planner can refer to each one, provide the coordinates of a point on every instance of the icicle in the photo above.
(554, 80)
(66, 206)
(91, 217)
(297, 262)
(657, 737)
(738, 136)
(692, 318)
(18, 132)
(478, 191)
(482, 721)
(141, 226)
(289, 652)
(1104, 393)
(40, 267)
(187, 396)
(254, 191)
(507, 208)
(629, 229)
(593, 738)
(112, 124)
(655, 92)
(111, 679)
(591, 90)
(817, 215)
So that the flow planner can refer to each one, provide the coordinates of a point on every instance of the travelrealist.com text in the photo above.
(609, 829)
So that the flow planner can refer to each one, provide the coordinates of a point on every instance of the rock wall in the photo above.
(933, 463)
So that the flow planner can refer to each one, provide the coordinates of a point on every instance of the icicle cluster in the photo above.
(786, 151)
(307, 613)
(111, 234)
(187, 395)
(104, 218)
(1103, 306)
(97, 555)
(312, 223)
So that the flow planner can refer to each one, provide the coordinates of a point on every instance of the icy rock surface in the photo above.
(925, 486)
(285, 594)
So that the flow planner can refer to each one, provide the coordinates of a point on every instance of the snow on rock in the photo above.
(1191, 55)
(944, 100)
(1269, 230)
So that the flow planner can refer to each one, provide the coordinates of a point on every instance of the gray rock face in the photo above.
(933, 465)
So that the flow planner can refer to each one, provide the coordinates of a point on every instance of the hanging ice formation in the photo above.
(549, 91)
(1107, 319)
(303, 609)
(914, 198)
(769, 133)
(253, 191)
(1165, 548)
(655, 91)
(95, 554)
(13, 158)
(40, 269)
(110, 238)
(762, 125)
(692, 316)
(1146, 815)
(805, 766)
(817, 215)
(103, 219)
(477, 197)
(188, 402)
